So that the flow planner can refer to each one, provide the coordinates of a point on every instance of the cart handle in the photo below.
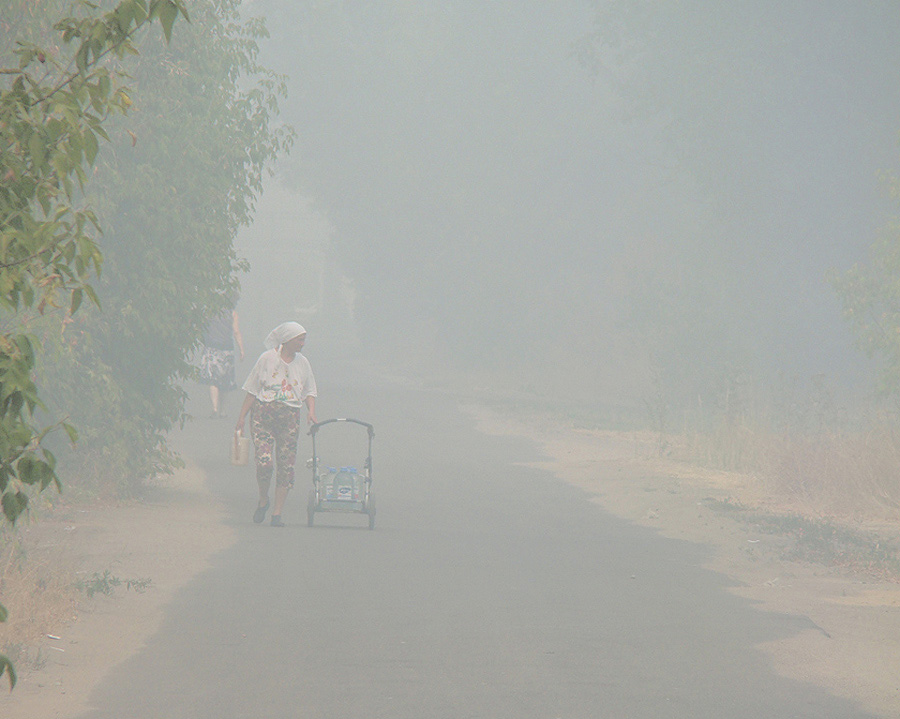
(315, 427)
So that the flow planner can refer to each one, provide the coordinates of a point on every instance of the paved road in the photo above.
(487, 590)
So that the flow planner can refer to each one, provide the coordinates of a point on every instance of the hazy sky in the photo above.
(679, 203)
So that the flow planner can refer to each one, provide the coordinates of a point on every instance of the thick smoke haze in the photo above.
(587, 199)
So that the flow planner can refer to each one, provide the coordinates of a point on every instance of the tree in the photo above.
(53, 108)
(870, 293)
(182, 176)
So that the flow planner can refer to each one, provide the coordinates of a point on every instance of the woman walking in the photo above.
(279, 385)
(217, 357)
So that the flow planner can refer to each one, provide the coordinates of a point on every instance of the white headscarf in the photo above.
(283, 333)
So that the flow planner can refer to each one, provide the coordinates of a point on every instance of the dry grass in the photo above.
(852, 476)
(38, 590)
(839, 474)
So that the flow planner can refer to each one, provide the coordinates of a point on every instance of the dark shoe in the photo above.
(276, 520)
(260, 514)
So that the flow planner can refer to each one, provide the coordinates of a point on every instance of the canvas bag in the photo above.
(240, 449)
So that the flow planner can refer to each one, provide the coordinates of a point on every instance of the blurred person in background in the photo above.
(279, 385)
(217, 358)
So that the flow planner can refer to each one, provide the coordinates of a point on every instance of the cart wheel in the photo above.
(370, 510)
(311, 507)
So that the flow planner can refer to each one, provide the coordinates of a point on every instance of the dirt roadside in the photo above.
(852, 647)
(167, 538)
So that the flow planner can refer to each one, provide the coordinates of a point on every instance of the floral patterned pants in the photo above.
(276, 429)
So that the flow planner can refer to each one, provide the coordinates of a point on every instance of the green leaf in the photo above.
(26, 57)
(92, 295)
(16, 402)
(105, 85)
(48, 477)
(39, 472)
(167, 14)
(13, 503)
(76, 301)
(27, 470)
(7, 666)
(71, 432)
(91, 146)
(68, 251)
(26, 348)
(37, 150)
(124, 15)
(81, 57)
(138, 9)
(100, 131)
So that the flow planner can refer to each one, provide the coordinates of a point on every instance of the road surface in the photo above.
(488, 590)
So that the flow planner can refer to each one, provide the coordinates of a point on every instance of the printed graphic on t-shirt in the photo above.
(283, 391)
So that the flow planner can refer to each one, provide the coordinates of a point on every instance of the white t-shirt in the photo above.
(274, 380)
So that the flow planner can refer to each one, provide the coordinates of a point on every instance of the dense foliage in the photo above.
(189, 137)
(182, 176)
(870, 292)
(52, 113)
(54, 101)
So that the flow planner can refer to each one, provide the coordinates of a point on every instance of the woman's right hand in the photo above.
(249, 399)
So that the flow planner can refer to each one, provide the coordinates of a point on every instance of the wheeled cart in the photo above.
(339, 488)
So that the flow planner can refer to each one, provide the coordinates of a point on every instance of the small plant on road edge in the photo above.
(823, 541)
(106, 583)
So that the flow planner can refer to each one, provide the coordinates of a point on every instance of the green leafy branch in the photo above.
(51, 121)
(6, 666)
